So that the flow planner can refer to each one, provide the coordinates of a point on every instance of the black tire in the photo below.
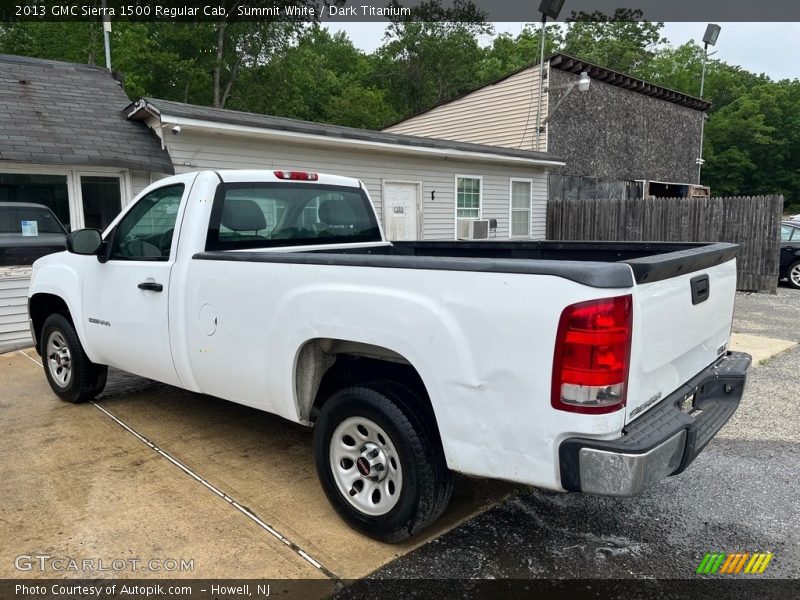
(86, 379)
(791, 268)
(426, 481)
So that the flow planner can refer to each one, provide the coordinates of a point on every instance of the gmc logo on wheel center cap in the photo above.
(362, 464)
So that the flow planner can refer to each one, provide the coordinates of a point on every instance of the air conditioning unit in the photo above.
(473, 230)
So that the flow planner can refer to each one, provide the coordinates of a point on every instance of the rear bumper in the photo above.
(663, 441)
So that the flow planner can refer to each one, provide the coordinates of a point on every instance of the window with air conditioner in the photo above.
(468, 198)
(520, 208)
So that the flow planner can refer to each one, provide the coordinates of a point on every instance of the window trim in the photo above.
(511, 208)
(456, 219)
(124, 183)
(211, 245)
(113, 229)
(73, 174)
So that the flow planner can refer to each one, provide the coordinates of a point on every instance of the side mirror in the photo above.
(84, 241)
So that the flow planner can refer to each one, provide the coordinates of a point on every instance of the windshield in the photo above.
(261, 215)
(28, 220)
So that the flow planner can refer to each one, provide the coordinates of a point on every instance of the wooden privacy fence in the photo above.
(753, 222)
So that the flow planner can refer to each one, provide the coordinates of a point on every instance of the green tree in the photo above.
(753, 143)
(431, 55)
(322, 77)
(196, 62)
(679, 68)
(622, 42)
(508, 54)
(73, 42)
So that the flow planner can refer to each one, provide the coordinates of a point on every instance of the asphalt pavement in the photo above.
(740, 495)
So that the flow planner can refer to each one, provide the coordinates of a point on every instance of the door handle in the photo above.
(701, 289)
(151, 286)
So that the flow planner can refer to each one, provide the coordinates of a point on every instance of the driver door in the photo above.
(126, 299)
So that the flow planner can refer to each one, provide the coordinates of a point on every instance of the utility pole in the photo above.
(107, 36)
(710, 37)
(542, 33)
(548, 8)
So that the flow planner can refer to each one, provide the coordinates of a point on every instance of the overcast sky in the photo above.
(771, 48)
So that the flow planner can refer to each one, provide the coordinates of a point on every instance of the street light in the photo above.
(709, 38)
(548, 8)
(584, 81)
(582, 84)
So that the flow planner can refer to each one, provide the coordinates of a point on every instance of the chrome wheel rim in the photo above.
(59, 359)
(366, 466)
(794, 275)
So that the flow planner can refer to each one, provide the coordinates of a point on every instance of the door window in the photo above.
(520, 208)
(101, 200)
(145, 233)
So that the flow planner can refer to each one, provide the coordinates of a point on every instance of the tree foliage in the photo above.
(752, 136)
(621, 42)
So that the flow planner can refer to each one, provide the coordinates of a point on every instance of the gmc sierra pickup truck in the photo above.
(589, 367)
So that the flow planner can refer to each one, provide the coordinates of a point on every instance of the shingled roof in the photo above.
(145, 107)
(70, 114)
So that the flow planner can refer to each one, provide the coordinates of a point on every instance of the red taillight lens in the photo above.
(296, 175)
(592, 356)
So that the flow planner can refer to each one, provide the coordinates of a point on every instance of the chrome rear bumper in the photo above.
(663, 441)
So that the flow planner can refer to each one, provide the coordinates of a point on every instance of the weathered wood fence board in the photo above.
(753, 222)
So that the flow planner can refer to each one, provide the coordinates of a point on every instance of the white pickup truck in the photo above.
(591, 367)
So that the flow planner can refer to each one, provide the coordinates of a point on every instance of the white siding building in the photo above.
(420, 186)
(500, 113)
(64, 144)
(68, 141)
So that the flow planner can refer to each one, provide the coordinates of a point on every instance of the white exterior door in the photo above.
(400, 201)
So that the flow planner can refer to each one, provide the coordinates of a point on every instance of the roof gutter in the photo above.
(322, 140)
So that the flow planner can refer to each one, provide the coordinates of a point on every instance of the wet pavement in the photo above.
(740, 495)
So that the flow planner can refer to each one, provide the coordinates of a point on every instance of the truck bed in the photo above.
(596, 264)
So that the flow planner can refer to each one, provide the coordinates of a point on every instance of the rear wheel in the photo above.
(793, 275)
(70, 373)
(380, 462)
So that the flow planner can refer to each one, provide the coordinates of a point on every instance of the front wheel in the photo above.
(70, 373)
(793, 275)
(380, 462)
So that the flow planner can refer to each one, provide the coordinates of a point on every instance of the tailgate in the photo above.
(681, 325)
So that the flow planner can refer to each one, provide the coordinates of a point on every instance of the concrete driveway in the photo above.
(153, 472)
(150, 472)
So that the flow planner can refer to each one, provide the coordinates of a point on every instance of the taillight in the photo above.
(296, 175)
(592, 356)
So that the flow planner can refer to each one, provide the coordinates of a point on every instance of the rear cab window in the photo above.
(272, 214)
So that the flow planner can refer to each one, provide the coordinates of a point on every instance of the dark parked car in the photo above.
(790, 252)
(27, 232)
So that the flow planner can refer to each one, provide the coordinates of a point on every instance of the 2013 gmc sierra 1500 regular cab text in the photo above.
(582, 366)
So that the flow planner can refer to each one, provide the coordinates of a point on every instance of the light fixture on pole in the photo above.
(548, 8)
(582, 84)
(710, 38)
